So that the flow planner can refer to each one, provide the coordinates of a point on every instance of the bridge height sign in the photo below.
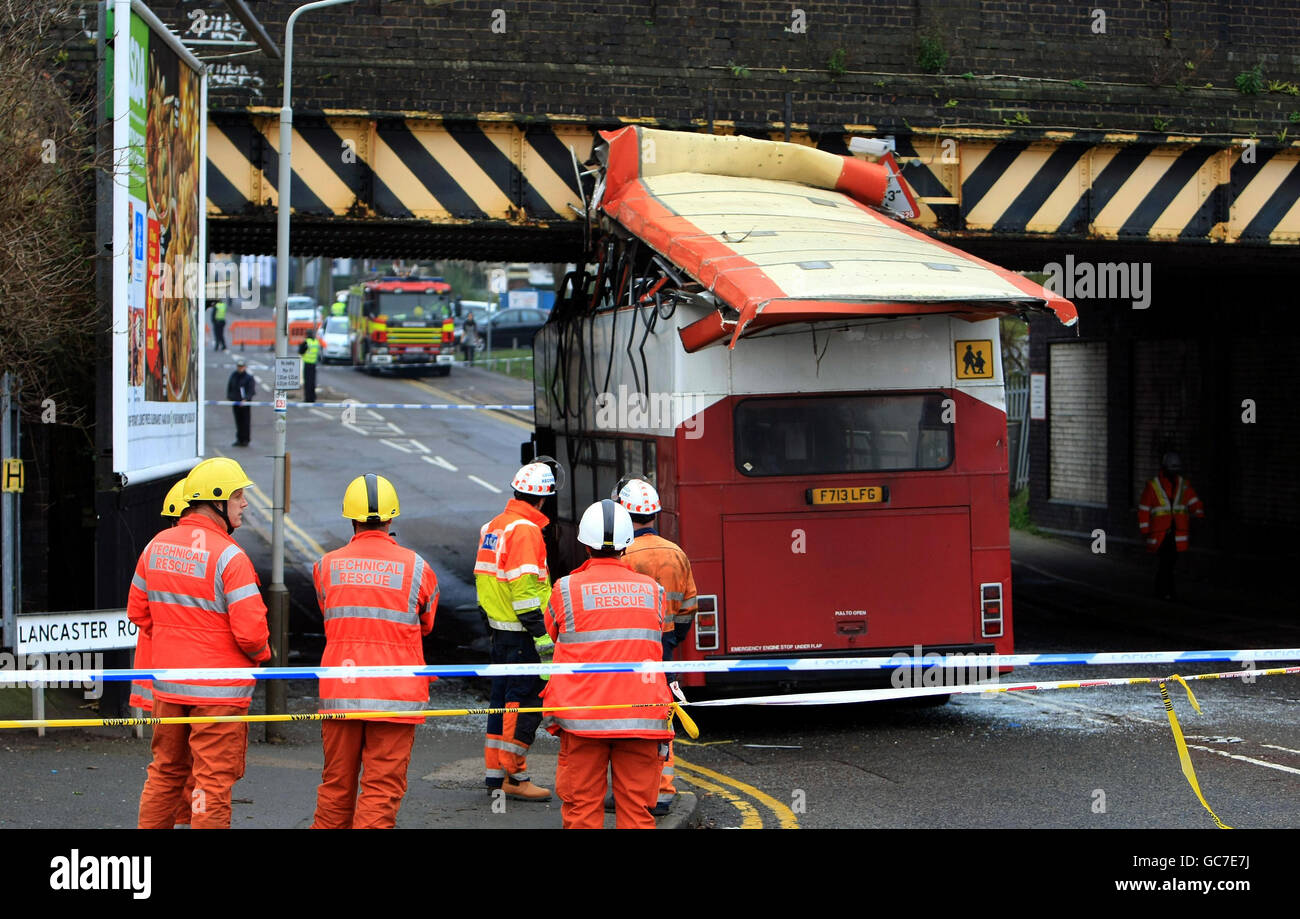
(157, 100)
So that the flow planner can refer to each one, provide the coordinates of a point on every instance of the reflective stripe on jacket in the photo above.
(510, 566)
(378, 600)
(605, 611)
(195, 596)
(665, 562)
(1164, 502)
(141, 690)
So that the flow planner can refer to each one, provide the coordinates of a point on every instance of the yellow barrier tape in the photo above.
(688, 723)
(1183, 756)
(311, 716)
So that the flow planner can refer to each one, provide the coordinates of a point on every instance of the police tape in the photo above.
(934, 662)
(675, 708)
(490, 407)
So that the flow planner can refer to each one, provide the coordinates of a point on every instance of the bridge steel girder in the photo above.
(410, 184)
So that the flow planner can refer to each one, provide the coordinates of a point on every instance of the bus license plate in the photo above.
(853, 494)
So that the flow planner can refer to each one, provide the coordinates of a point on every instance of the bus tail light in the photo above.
(991, 610)
(706, 624)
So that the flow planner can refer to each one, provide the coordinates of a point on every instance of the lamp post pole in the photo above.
(278, 594)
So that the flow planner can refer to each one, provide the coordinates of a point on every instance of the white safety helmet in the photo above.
(638, 497)
(605, 525)
(534, 479)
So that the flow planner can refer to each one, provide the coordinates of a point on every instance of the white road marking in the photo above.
(488, 485)
(419, 446)
(1247, 759)
(374, 414)
(1273, 746)
(396, 446)
(439, 461)
(352, 427)
(396, 429)
(325, 415)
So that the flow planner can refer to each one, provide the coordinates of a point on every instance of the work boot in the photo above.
(525, 790)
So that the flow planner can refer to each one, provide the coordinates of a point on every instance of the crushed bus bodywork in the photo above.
(814, 388)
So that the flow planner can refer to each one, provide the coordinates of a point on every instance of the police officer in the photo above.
(240, 388)
(219, 326)
(602, 612)
(195, 595)
(513, 586)
(378, 600)
(340, 305)
(310, 349)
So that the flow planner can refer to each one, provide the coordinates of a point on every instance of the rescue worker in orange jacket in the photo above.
(195, 596)
(665, 562)
(513, 586)
(174, 508)
(378, 600)
(605, 611)
(1164, 512)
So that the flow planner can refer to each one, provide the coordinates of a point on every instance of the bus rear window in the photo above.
(825, 435)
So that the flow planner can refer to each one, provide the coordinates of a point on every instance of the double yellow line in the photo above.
(726, 788)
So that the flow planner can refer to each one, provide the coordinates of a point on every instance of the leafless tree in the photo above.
(48, 311)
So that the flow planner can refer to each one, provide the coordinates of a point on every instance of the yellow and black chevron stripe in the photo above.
(1056, 184)
(399, 167)
(1118, 188)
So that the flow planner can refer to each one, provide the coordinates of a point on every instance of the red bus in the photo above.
(814, 388)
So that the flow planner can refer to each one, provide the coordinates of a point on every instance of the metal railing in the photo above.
(1017, 390)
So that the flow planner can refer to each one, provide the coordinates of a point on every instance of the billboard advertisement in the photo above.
(158, 103)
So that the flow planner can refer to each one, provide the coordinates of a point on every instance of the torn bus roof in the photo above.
(793, 249)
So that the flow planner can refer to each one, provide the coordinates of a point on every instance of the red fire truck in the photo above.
(815, 389)
(402, 321)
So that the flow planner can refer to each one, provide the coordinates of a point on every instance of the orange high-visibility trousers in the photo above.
(212, 754)
(376, 751)
(580, 780)
(667, 790)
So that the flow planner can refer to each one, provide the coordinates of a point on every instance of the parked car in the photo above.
(338, 340)
(513, 328)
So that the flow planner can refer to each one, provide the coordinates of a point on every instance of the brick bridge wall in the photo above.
(854, 62)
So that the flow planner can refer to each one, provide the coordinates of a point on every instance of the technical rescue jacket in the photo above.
(510, 569)
(665, 562)
(605, 611)
(195, 597)
(1163, 501)
(378, 600)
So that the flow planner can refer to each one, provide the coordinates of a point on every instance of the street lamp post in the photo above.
(277, 690)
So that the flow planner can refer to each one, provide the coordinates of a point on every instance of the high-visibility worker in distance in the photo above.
(1164, 518)
(174, 508)
(340, 305)
(665, 562)
(378, 600)
(195, 595)
(604, 611)
(513, 586)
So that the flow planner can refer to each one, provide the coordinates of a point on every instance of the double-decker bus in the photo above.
(396, 321)
(815, 389)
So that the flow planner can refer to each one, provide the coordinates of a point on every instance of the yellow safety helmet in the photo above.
(370, 498)
(175, 501)
(215, 479)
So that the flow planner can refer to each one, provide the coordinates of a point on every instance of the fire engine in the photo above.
(402, 321)
(814, 388)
